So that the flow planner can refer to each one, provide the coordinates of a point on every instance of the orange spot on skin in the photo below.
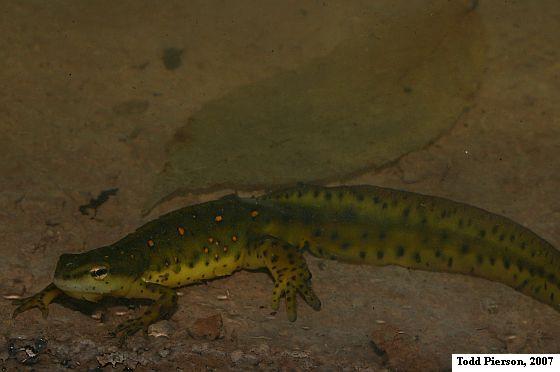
(205, 249)
(225, 248)
(151, 243)
(210, 240)
(234, 238)
(181, 230)
(254, 214)
(218, 218)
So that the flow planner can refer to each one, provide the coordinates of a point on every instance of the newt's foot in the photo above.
(288, 285)
(164, 305)
(40, 300)
(291, 275)
(131, 326)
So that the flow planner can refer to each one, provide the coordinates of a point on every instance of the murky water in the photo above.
(110, 107)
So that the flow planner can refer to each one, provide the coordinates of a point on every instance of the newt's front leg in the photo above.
(290, 272)
(40, 300)
(164, 305)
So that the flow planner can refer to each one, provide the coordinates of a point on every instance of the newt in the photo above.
(355, 224)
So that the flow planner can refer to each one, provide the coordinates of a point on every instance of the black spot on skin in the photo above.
(362, 255)
(400, 251)
(348, 214)
(551, 296)
(522, 285)
(464, 248)
(191, 264)
(450, 262)
(307, 216)
(380, 255)
(417, 257)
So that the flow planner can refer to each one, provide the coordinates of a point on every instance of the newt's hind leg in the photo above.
(40, 300)
(290, 272)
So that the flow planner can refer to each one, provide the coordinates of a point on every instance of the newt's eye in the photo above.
(99, 272)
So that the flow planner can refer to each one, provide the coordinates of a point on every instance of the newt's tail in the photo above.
(380, 226)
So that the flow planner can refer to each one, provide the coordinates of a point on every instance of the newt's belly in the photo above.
(210, 264)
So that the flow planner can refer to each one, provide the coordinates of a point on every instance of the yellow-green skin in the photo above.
(357, 224)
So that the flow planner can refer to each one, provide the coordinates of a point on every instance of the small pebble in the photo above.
(210, 328)
(236, 356)
(160, 329)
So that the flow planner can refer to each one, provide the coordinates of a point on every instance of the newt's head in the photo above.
(93, 274)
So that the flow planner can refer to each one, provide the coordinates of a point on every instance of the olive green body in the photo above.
(357, 224)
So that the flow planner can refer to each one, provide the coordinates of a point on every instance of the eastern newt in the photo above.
(356, 224)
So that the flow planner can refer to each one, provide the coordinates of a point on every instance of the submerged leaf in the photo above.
(391, 89)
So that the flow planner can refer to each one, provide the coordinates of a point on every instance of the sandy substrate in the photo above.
(502, 155)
